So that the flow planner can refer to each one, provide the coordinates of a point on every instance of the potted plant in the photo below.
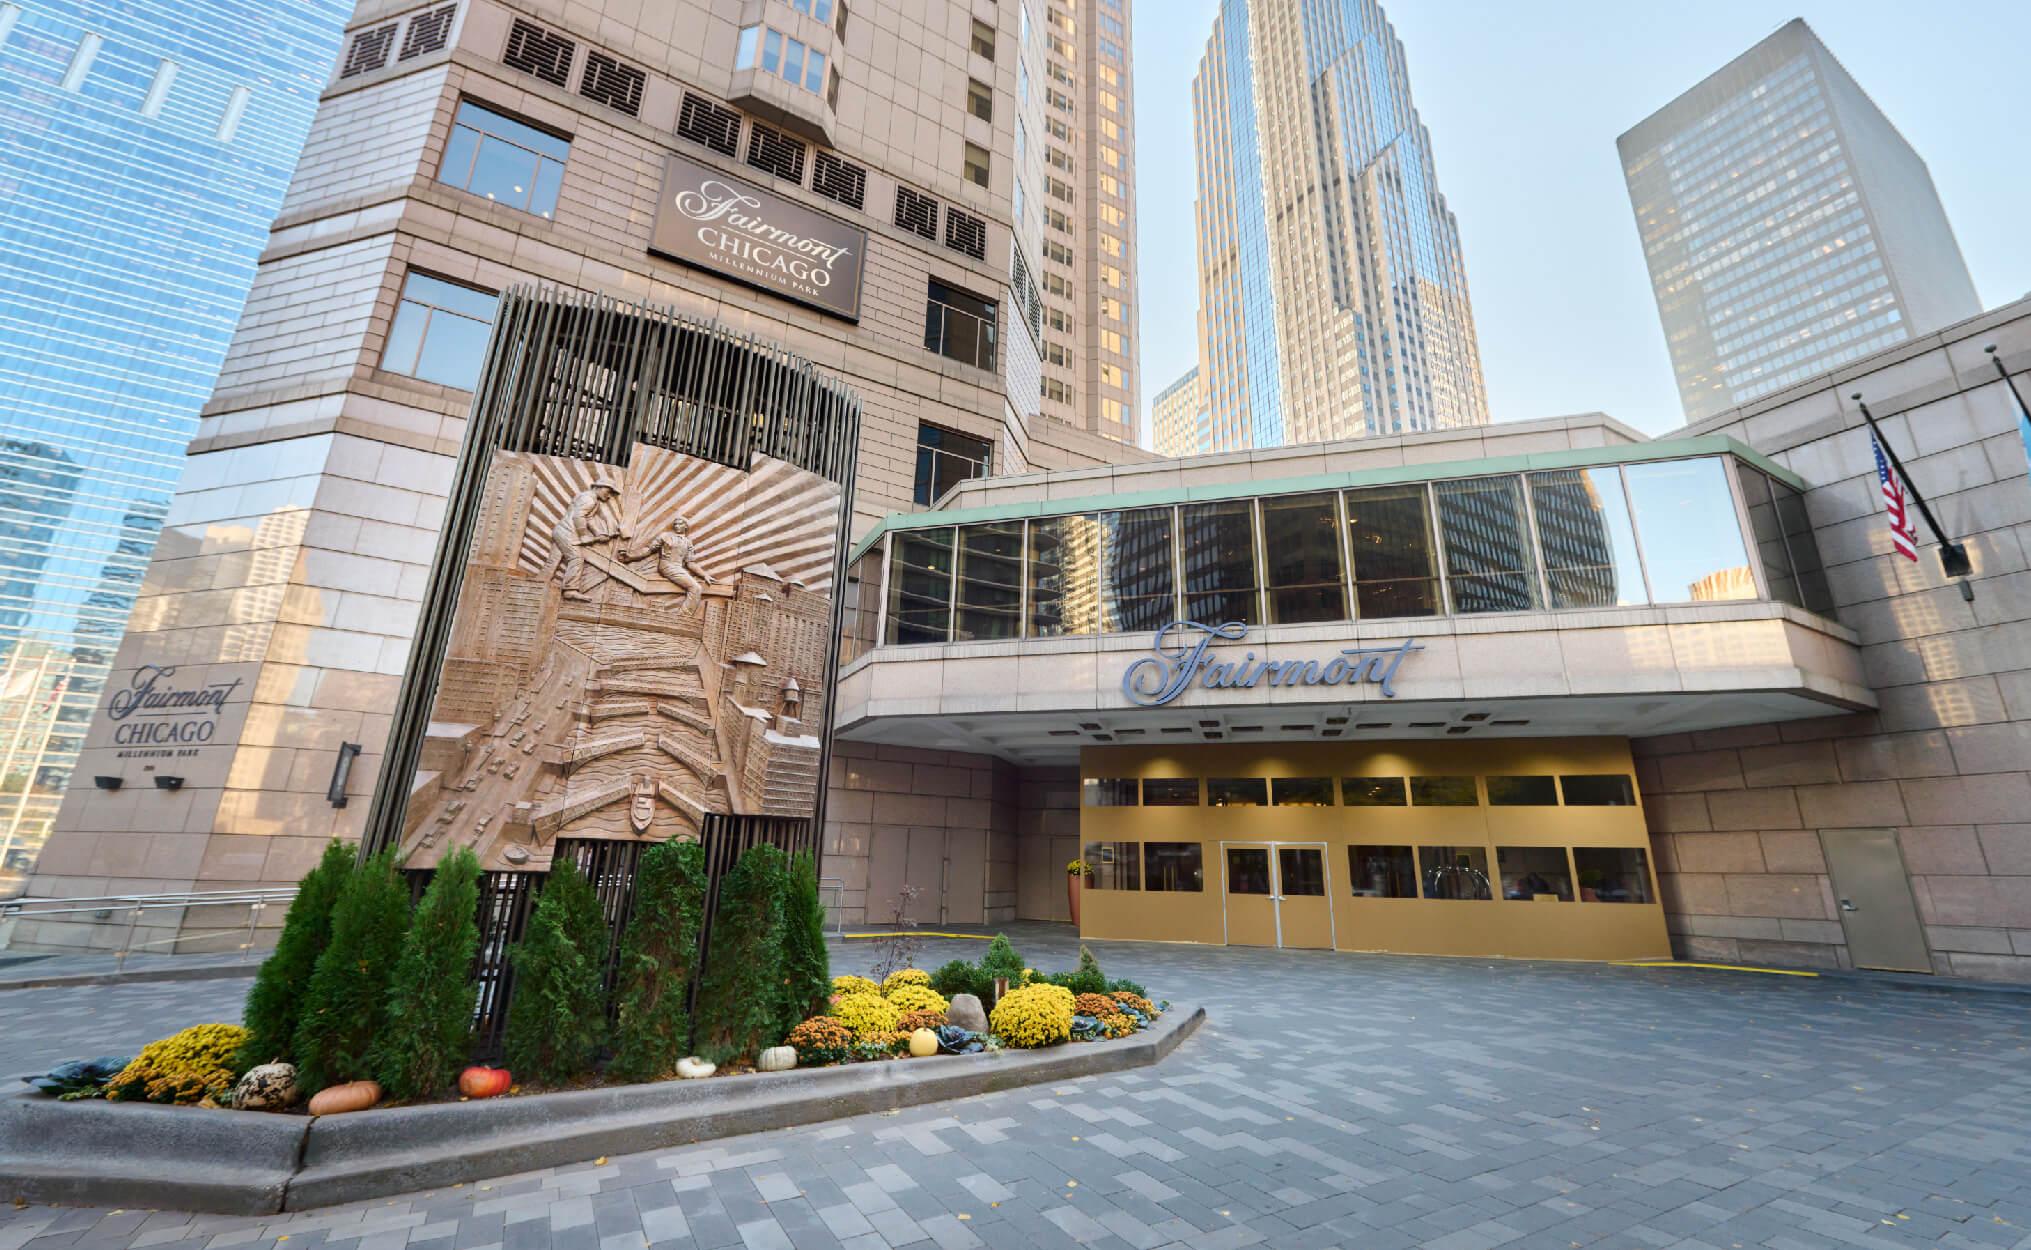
(1076, 873)
(1590, 885)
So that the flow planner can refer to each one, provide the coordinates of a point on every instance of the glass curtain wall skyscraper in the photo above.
(1332, 293)
(145, 146)
(1787, 225)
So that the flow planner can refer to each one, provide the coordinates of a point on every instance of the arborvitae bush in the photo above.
(346, 1005)
(807, 965)
(1087, 978)
(962, 977)
(741, 996)
(659, 955)
(430, 1001)
(557, 1015)
(1001, 960)
(275, 1004)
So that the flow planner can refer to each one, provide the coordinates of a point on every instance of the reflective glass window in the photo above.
(1396, 570)
(1532, 872)
(1813, 592)
(1248, 870)
(439, 332)
(946, 458)
(508, 161)
(1382, 871)
(1768, 533)
(1487, 542)
(1454, 872)
(1173, 866)
(1113, 865)
(989, 587)
(1584, 533)
(1613, 874)
(1101, 573)
(1237, 792)
(1685, 519)
(1522, 792)
(1301, 871)
(1109, 792)
(1301, 547)
(1301, 791)
(1444, 792)
(1598, 790)
(1140, 587)
(1170, 792)
(1372, 791)
(920, 586)
(859, 608)
(1218, 543)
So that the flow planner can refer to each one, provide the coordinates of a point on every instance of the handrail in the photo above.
(838, 887)
(255, 899)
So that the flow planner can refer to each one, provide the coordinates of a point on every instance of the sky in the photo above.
(1524, 102)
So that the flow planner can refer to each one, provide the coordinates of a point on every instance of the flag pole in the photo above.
(1953, 557)
(2023, 410)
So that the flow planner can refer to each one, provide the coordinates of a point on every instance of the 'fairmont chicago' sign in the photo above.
(1178, 657)
(718, 222)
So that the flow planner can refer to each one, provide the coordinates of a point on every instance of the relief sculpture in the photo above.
(633, 649)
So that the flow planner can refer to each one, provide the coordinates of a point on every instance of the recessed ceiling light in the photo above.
(1064, 733)
(1461, 729)
(1295, 728)
(1428, 724)
(1380, 724)
(1509, 722)
(1090, 727)
(1475, 716)
(1336, 720)
(1176, 729)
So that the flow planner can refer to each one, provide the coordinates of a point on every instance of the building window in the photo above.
(1522, 792)
(1613, 874)
(1301, 871)
(508, 161)
(983, 38)
(1455, 872)
(1372, 792)
(1691, 542)
(440, 331)
(1301, 792)
(1301, 540)
(1382, 872)
(946, 458)
(1589, 548)
(1101, 573)
(773, 52)
(960, 325)
(1533, 872)
(920, 586)
(820, 9)
(1443, 792)
(1598, 790)
(1108, 792)
(976, 164)
(1113, 865)
(1218, 540)
(1176, 867)
(989, 599)
(1489, 563)
(1170, 792)
(980, 103)
(1237, 792)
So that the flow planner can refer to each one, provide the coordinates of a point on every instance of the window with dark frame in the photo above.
(1237, 792)
(1523, 791)
(1613, 874)
(1381, 871)
(1301, 792)
(960, 325)
(1373, 792)
(1444, 792)
(1170, 792)
(1534, 872)
(1598, 790)
(946, 458)
(1113, 865)
(1454, 872)
(1109, 792)
(1173, 867)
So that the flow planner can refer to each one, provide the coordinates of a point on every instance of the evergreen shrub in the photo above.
(430, 1000)
(659, 957)
(275, 1004)
(807, 965)
(345, 1006)
(742, 997)
(557, 1014)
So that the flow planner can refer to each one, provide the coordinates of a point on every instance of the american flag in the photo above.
(1902, 536)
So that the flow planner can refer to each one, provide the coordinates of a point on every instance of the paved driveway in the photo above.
(1331, 1100)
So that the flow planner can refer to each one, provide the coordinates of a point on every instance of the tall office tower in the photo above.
(1088, 210)
(1177, 417)
(144, 149)
(1332, 295)
(1788, 227)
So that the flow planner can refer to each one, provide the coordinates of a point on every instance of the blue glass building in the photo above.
(145, 146)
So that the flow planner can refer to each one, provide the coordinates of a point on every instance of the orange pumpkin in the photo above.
(477, 1082)
(351, 1096)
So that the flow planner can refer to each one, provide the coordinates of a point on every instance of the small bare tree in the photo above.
(899, 948)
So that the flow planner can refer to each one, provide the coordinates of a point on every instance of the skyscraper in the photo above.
(1332, 295)
(1788, 227)
(144, 149)
(1087, 204)
(1177, 417)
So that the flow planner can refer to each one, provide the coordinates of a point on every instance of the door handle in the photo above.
(1848, 905)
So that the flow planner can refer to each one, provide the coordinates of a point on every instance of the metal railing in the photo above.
(838, 888)
(108, 906)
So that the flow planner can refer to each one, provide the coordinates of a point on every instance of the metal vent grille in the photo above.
(613, 84)
(775, 152)
(916, 213)
(966, 233)
(839, 180)
(534, 50)
(369, 51)
(1028, 298)
(713, 125)
(428, 32)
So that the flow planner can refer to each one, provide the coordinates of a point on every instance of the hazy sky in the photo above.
(1524, 102)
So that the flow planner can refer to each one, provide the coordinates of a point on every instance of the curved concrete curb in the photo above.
(120, 1154)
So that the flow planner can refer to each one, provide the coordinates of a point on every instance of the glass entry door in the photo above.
(1276, 894)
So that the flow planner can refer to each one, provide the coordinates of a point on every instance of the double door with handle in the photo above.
(1276, 894)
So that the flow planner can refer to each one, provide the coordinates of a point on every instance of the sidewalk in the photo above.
(26, 971)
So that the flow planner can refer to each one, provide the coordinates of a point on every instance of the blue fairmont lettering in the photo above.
(1178, 657)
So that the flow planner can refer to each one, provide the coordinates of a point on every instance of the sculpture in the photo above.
(587, 521)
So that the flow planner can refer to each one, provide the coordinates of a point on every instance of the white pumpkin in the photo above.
(777, 1059)
(691, 1068)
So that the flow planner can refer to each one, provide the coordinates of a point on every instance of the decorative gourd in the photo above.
(923, 1043)
(691, 1068)
(351, 1096)
(267, 1087)
(777, 1059)
(479, 1082)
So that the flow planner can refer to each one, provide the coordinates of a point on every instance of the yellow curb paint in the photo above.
(970, 937)
(1659, 963)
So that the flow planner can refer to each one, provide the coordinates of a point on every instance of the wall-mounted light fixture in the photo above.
(107, 783)
(341, 769)
(169, 783)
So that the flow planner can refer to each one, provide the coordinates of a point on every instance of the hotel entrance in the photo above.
(1276, 894)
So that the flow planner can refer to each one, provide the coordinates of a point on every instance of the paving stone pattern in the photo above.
(1330, 1100)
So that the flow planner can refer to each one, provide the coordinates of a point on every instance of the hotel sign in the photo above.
(715, 221)
(1178, 658)
(165, 713)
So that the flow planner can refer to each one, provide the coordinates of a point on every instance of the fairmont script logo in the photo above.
(153, 712)
(1178, 656)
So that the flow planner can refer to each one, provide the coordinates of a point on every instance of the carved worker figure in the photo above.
(588, 520)
(674, 561)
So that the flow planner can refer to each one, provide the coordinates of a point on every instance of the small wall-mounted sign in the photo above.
(1178, 657)
(718, 222)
